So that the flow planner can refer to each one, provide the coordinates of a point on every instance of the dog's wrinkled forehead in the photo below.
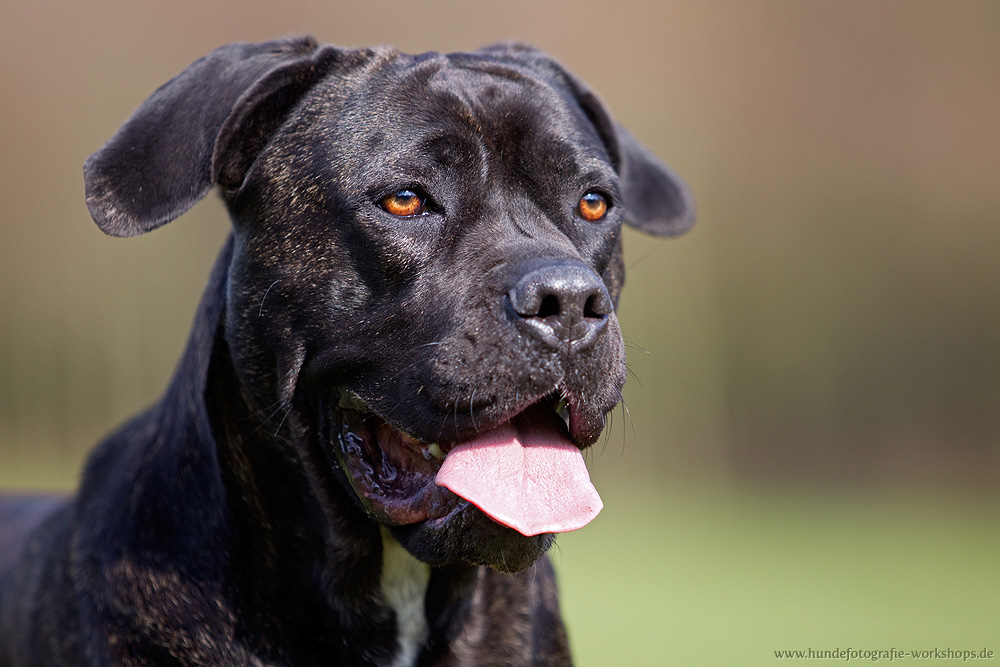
(416, 115)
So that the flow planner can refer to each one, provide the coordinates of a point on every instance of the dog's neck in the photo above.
(293, 557)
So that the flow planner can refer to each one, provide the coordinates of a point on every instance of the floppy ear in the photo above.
(203, 127)
(656, 200)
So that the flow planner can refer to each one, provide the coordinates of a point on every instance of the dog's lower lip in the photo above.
(391, 472)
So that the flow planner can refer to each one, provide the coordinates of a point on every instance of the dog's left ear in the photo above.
(656, 200)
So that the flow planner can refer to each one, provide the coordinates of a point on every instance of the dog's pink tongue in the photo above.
(529, 477)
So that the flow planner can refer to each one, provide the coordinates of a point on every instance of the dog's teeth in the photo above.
(433, 451)
(562, 409)
(351, 402)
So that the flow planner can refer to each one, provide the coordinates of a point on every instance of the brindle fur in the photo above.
(217, 528)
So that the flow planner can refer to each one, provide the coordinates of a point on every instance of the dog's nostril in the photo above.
(591, 309)
(549, 306)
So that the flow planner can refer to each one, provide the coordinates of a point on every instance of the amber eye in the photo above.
(593, 206)
(404, 204)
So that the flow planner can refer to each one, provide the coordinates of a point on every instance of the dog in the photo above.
(404, 347)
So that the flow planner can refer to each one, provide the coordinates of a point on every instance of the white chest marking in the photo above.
(404, 584)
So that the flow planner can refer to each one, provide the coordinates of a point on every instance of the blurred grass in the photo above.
(688, 574)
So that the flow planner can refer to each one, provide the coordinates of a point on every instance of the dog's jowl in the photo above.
(404, 347)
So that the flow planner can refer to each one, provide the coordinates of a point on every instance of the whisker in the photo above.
(472, 413)
(635, 346)
(607, 431)
(534, 571)
(656, 248)
(628, 416)
(260, 312)
(628, 369)
(272, 408)
(281, 423)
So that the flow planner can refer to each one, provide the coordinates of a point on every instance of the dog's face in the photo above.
(427, 254)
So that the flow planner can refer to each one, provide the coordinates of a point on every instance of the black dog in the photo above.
(404, 346)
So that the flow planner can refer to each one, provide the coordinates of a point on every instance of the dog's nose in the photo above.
(562, 303)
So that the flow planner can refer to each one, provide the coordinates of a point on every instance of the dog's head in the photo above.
(427, 255)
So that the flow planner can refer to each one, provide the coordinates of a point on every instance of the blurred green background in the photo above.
(811, 452)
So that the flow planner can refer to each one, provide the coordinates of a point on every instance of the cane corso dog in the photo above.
(405, 346)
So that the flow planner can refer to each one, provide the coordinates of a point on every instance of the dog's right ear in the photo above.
(203, 127)
(655, 198)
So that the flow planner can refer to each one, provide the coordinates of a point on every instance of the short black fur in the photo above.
(243, 519)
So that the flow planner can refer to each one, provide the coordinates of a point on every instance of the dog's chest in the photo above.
(404, 585)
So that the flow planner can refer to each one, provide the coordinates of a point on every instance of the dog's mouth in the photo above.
(523, 472)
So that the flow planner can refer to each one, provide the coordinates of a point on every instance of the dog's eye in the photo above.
(593, 206)
(404, 204)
